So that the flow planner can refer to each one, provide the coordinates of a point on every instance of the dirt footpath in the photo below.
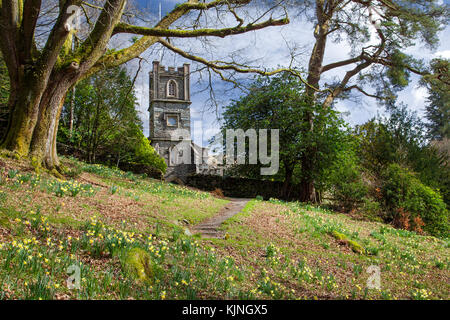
(209, 228)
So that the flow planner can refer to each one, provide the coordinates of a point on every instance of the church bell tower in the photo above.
(170, 118)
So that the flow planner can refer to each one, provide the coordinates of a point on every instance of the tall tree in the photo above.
(438, 102)
(279, 102)
(377, 33)
(401, 139)
(104, 114)
(41, 71)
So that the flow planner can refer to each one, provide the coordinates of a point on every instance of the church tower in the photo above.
(170, 118)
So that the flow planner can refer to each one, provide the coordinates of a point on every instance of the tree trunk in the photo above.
(35, 111)
(43, 144)
(287, 184)
(72, 107)
(307, 191)
(24, 109)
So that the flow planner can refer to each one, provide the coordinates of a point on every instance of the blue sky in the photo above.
(269, 48)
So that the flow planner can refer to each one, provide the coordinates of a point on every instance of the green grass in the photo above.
(124, 234)
(327, 254)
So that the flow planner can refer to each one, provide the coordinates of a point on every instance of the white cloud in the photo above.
(443, 54)
(420, 94)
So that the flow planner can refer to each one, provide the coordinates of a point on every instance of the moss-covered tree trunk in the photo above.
(24, 101)
(34, 120)
(43, 143)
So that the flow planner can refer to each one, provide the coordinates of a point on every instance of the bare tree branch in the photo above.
(220, 65)
(222, 33)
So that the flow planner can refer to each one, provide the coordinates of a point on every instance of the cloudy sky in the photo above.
(268, 47)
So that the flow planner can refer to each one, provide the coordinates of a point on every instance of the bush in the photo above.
(218, 193)
(347, 186)
(145, 154)
(75, 171)
(411, 204)
(371, 209)
(144, 170)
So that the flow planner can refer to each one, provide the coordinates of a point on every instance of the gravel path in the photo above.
(209, 227)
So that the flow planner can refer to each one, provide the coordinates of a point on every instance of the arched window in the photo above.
(172, 89)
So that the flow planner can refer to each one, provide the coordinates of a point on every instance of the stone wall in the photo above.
(239, 187)
(140, 168)
(181, 172)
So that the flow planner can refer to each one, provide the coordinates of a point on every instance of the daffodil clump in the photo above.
(72, 188)
(420, 294)
(58, 187)
(36, 267)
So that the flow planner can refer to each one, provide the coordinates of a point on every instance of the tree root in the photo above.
(37, 163)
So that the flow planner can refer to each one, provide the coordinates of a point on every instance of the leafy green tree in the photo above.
(106, 125)
(279, 103)
(401, 139)
(377, 32)
(438, 102)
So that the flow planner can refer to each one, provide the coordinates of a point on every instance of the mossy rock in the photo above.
(339, 236)
(356, 247)
(137, 263)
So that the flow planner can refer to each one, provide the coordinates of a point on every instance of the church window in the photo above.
(172, 88)
(172, 121)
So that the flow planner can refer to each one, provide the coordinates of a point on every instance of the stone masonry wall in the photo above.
(239, 187)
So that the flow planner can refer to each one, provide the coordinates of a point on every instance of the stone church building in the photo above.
(170, 124)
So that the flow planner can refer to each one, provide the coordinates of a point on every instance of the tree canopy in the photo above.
(106, 125)
(280, 102)
(438, 101)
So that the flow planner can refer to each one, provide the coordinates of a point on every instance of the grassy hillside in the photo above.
(127, 235)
